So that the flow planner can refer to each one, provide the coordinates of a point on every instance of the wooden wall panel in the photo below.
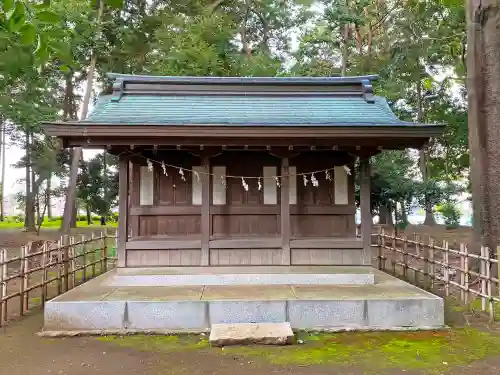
(320, 225)
(176, 225)
(142, 258)
(245, 225)
(241, 163)
(236, 257)
(180, 258)
(348, 257)
(162, 258)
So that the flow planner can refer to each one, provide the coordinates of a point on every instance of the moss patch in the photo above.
(159, 343)
(431, 351)
(434, 352)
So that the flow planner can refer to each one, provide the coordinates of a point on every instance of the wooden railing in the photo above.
(45, 269)
(439, 267)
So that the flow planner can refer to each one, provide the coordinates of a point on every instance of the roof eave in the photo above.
(81, 129)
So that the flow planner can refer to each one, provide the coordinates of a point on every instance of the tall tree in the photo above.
(69, 206)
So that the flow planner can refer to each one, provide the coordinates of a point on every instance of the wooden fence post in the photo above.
(93, 254)
(393, 253)
(381, 242)
(66, 262)
(405, 257)
(431, 262)
(482, 273)
(44, 265)
(59, 266)
(466, 271)
(72, 265)
(488, 284)
(3, 313)
(104, 252)
(84, 258)
(462, 273)
(21, 281)
(26, 277)
(498, 268)
(446, 269)
(2, 277)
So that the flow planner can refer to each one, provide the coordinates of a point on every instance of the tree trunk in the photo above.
(404, 214)
(345, 51)
(385, 215)
(69, 206)
(75, 216)
(246, 48)
(423, 157)
(89, 215)
(29, 220)
(48, 195)
(2, 180)
(483, 89)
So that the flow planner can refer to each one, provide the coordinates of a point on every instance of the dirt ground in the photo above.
(459, 351)
(24, 353)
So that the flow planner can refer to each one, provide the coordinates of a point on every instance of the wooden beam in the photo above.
(245, 243)
(123, 189)
(205, 213)
(157, 244)
(326, 243)
(366, 214)
(167, 210)
(285, 212)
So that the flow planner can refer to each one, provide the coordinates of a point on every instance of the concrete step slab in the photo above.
(251, 334)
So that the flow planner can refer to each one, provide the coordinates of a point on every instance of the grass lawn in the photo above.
(56, 223)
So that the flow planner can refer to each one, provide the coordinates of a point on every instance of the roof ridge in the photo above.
(309, 80)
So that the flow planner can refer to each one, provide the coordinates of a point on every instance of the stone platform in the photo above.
(108, 304)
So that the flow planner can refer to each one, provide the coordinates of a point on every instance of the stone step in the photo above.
(265, 275)
(251, 333)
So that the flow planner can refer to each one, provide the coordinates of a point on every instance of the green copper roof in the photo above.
(243, 110)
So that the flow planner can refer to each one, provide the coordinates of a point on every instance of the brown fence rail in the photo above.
(46, 269)
(437, 266)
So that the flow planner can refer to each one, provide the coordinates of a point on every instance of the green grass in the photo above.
(433, 352)
(10, 224)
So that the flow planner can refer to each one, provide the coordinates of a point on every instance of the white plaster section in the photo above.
(269, 184)
(292, 187)
(146, 187)
(218, 188)
(196, 185)
(340, 181)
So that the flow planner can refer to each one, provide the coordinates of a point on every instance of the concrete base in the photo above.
(98, 305)
(248, 333)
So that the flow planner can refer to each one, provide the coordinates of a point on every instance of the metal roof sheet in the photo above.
(235, 110)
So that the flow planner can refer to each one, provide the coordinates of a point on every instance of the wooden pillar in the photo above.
(134, 198)
(123, 185)
(365, 207)
(205, 213)
(285, 212)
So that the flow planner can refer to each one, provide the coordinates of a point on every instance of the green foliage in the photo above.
(450, 213)
(45, 50)
(98, 187)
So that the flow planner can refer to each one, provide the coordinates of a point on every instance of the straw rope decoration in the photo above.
(181, 170)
